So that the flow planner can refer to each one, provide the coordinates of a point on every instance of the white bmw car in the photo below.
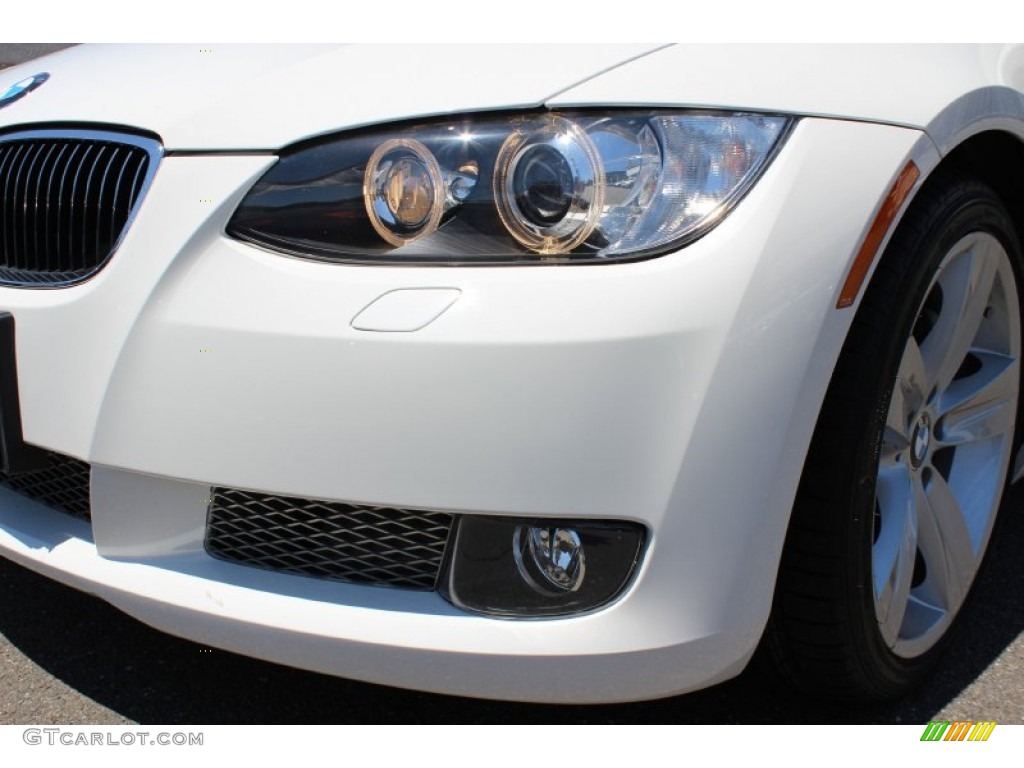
(552, 374)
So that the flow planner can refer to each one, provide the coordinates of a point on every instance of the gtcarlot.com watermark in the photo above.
(54, 737)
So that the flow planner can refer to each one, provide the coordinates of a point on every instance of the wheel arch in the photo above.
(981, 134)
(996, 158)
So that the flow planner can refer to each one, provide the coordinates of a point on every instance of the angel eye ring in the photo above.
(403, 191)
(549, 186)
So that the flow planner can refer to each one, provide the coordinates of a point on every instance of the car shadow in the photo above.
(149, 677)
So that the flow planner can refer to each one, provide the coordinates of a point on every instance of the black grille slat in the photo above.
(65, 203)
(89, 203)
(119, 207)
(140, 175)
(5, 177)
(16, 166)
(42, 203)
(328, 540)
(31, 212)
(63, 484)
(48, 260)
(101, 203)
(39, 201)
(10, 209)
(62, 204)
(25, 182)
(75, 208)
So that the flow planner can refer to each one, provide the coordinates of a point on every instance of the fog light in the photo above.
(509, 567)
(551, 560)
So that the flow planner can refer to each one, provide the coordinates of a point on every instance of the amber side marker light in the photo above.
(869, 248)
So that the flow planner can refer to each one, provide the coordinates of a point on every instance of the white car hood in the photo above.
(907, 85)
(264, 97)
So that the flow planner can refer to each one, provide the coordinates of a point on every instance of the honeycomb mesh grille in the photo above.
(328, 540)
(63, 485)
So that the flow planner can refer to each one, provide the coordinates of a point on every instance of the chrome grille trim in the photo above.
(381, 546)
(67, 199)
(63, 484)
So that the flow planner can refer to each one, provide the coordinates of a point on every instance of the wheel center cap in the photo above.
(921, 441)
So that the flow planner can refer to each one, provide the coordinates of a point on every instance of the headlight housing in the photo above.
(545, 187)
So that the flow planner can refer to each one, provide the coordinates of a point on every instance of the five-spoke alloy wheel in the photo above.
(946, 445)
(910, 456)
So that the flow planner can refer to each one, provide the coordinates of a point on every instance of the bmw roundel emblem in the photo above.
(22, 88)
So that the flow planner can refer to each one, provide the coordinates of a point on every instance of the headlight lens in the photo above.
(549, 187)
(402, 189)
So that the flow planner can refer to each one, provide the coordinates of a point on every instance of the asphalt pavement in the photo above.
(68, 658)
(15, 53)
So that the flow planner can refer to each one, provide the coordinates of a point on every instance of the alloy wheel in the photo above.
(946, 445)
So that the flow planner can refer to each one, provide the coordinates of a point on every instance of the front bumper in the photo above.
(679, 393)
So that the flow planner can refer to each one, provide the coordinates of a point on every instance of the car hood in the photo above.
(243, 97)
(906, 85)
(265, 97)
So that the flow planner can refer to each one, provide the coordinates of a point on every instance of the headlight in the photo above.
(548, 187)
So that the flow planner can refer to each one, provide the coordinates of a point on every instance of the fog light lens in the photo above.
(551, 560)
(510, 567)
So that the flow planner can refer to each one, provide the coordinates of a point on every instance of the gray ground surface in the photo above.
(66, 657)
(15, 53)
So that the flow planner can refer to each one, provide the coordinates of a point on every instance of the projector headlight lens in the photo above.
(549, 186)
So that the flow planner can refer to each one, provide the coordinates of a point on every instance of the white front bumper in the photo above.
(678, 392)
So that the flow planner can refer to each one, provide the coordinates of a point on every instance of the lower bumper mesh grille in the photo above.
(329, 540)
(63, 484)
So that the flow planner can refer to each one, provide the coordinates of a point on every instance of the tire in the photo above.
(910, 456)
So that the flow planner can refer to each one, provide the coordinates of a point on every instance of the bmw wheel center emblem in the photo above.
(22, 88)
